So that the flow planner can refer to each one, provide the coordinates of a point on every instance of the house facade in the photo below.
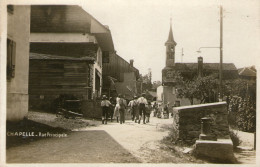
(119, 77)
(52, 76)
(18, 33)
(67, 31)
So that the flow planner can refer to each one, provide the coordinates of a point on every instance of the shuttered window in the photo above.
(11, 54)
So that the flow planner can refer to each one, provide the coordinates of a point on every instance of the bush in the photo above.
(235, 139)
(242, 113)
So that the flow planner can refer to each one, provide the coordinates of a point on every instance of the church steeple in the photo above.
(170, 49)
(170, 37)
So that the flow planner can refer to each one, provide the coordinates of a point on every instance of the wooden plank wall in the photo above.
(55, 77)
(116, 67)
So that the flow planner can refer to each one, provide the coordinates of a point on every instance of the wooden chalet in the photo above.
(65, 54)
(52, 76)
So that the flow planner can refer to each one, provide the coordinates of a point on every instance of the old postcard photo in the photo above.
(128, 82)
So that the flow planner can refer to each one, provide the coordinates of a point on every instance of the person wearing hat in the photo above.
(142, 102)
(105, 108)
(133, 105)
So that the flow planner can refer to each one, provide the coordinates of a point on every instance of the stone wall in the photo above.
(187, 121)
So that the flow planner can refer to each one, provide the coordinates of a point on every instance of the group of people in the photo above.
(163, 111)
(139, 107)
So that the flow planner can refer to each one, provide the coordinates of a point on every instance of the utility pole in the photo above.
(221, 54)
(220, 94)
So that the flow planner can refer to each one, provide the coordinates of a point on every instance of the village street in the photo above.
(114, 142)
(92, 142)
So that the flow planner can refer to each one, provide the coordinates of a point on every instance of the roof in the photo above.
(69, 19)
(61, 18)
(105, 41)
(170, 37)
(38, 56)
(247, 71)
(123, 89)
(132, 67)
(206, 66)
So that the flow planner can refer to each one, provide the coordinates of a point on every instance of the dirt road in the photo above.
(141, 140)
(114, 142)
(91, 142)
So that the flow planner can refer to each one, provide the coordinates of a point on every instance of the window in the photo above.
(10, 67)
(10, 9)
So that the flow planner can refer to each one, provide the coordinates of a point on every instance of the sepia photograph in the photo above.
(128, 82)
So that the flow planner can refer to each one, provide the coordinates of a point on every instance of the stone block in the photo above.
(189, 119)
(221, 150)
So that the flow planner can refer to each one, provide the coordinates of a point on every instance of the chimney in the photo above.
(131, 62)
(200, 66)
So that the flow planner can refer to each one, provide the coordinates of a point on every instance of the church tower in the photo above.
(170, 49)
(168, 71)
(168, 94)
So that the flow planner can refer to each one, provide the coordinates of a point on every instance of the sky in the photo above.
(140, 28)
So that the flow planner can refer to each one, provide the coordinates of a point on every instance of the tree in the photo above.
(201, 88)
(146, 82)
